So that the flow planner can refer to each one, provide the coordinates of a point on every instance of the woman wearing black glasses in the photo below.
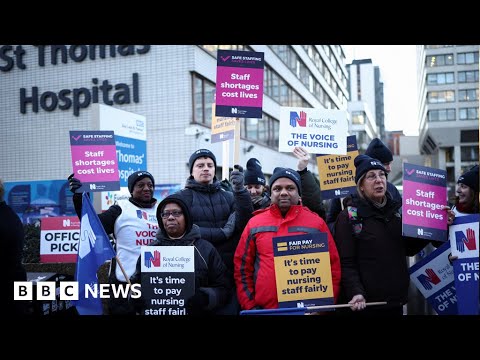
(177, 229)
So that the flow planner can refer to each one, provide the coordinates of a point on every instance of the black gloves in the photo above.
(237, 178)
(74, 183)
(197, 304)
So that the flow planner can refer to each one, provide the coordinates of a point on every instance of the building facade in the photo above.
(48, 91)
(448, 107)
(366, 104)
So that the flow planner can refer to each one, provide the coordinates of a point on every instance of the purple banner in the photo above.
(424, 195)
(239, 87)
(94, 160)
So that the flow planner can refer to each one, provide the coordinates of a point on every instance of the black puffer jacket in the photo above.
(213, 209)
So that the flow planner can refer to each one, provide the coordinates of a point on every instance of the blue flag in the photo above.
(93, 250)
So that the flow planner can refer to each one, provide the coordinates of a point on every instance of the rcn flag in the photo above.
(93, 250)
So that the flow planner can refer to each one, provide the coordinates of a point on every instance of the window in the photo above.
(440, 78)
(358, 117)
(468, 95)
(203, 95)
(469, 136)
(449, 154)
(439, 60)
(469, 153)
(468, 113)
(441, 115)
(467, 58)
(468, 76)
(434, 97)
(261, 131)
(212, 49)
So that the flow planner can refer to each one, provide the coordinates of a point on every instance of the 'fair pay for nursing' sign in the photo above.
(319, 131)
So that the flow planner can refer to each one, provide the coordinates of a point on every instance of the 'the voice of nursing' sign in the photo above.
(320, 131)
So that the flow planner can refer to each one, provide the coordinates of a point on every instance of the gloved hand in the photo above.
(237, 178)
(74, 183)
(197, 303)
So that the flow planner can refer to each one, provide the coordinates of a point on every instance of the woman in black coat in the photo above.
(371, 246)
(212, 287)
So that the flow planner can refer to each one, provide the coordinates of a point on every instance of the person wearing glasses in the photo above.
(368, 233)
(132, 222)
(176, 228)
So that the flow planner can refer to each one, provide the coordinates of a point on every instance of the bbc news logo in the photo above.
(69, 290)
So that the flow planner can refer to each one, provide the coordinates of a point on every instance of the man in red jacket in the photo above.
(254, 264)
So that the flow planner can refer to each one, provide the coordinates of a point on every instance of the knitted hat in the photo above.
(201, 153)
(177, 199)
(377, 150)
(470, 178)
(254, 175)
(364, 163)
(136, 176)
(280, 172)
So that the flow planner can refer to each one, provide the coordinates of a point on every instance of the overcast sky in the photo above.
(398, 70)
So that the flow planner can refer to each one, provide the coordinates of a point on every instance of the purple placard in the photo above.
(94, 160)
(424, 194)
(239, 88)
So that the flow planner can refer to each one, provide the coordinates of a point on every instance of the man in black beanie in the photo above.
(376, 150)
(215, 210)
(127, 220)
(254, 260)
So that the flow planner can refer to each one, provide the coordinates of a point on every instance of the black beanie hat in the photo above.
(364, 163)
(377, 150)
(174, 198)
(254, 175)
(136, 176)
(201, 153)
(470, 178)
(291, 174)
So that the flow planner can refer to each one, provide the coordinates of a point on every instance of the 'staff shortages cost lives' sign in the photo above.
(239, 90)
(94, 160)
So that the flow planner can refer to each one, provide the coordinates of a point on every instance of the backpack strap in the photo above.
(354, 220)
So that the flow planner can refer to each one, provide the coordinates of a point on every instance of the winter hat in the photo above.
(254, 175)
(291, 174)
(470, 178)
(201, 153)
(364, 163)
(177, 199)
(136, 176)
(377, 150)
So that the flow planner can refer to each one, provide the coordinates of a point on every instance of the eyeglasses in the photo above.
(373, 177)
(175, 213)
